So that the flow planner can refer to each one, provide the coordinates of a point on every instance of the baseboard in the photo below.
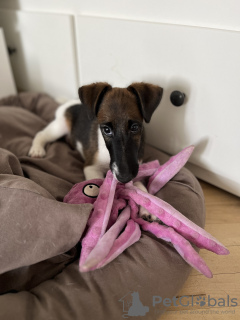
(215, 179)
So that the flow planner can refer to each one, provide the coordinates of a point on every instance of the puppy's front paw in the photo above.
(37, 151)
(144, 214)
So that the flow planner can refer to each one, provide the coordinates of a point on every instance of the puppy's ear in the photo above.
(148, 96)
(91, 95)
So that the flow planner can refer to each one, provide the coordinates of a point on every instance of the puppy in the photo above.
(107, 128)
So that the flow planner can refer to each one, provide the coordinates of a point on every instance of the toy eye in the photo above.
(91, 190)
(135, 128)
(107, 131)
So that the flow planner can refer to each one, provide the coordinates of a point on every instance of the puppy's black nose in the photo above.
(124, 178)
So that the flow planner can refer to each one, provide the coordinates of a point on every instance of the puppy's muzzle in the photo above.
(124, 174)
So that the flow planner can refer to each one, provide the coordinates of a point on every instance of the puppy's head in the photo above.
(120, 113)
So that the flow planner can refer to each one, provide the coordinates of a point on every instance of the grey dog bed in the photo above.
(39, 247)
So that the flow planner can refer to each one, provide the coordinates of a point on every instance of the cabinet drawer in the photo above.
(45, 60)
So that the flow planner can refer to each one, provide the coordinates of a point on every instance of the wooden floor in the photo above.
(223, 222)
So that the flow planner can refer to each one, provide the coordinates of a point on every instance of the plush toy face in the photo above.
(84, 192)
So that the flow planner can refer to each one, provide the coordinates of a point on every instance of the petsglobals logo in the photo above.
(201, 301)
(133, 306)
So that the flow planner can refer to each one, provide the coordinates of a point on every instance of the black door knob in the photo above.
(11, 50)
(177, 98)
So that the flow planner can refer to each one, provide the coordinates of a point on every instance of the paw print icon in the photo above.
(201, 301)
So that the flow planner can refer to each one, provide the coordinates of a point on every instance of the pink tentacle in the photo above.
(109, 196)
(118, 204)
(168, 170)
(104, 245)
(131, 203)
(182, 246)
(134, 209)
(173, 218)
(146, 170)
(100, 216)
(131, 234)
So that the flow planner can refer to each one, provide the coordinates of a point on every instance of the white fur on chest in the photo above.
(101, 161)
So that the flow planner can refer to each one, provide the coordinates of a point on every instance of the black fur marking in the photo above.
(124, 152)
(82, 126)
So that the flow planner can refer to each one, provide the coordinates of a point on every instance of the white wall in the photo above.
(222, 14)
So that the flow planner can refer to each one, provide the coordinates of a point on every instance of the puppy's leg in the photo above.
(143, 213)
(55, 130)
(97, 164)
(93, 172)
(52, 132)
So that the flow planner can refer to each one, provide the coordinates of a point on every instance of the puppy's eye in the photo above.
(135, 128)
(107, 131)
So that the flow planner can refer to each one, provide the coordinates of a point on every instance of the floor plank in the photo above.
(223, 222)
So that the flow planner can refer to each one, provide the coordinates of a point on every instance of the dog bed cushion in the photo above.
(39, 247)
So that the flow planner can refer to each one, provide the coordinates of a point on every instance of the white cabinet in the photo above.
(7, 85)
(45, 59)
(203, 63)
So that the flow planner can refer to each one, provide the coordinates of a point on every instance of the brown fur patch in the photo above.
(119, 104)
(69, 123)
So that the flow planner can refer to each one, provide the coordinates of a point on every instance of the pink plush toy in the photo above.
(104, 239)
